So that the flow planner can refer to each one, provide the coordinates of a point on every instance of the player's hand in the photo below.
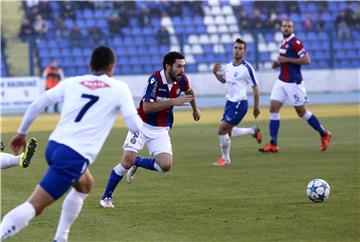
(275, 64)
(282, 59)
(217, 69)
(256, 112)
(196, 114)
(181, 100)
(17, 143)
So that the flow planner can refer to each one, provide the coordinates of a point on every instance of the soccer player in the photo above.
(236, 75)
(23, 160)
(156, 111)
(90, 106)
(290, 86)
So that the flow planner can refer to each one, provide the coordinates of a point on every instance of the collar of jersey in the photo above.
(242, 62)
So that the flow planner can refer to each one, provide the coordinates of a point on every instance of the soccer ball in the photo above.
(318, 190)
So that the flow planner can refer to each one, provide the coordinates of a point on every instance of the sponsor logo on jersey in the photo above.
(94, 84)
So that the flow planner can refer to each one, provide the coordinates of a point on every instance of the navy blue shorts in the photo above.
(235, 112)
(66, 166)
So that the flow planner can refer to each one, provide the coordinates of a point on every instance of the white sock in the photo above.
(17, 219)
(120, 170)
(9, 160)
(71, 208)
(241, 131)
(225, 144)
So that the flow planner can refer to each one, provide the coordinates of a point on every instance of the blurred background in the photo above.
(33, 33)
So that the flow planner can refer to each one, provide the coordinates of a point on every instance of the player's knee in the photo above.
(165, 164)
(85, 184)
(128, 160)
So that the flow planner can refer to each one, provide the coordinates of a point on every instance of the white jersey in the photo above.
(238, 77)
(90, 107)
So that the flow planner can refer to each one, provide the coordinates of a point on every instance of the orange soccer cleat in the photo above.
(325, 141)
(257, 133)
(221, 162)
(269, 148)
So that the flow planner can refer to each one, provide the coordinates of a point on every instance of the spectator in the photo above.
(308, 23)
(26, 30)
(45, 9)
(274, 21)
(76, 36)
(52, 75)
(319, 24)
(244, 20)
(163, 36)
(292, 7)
(40, 26)
(115, 23)
(67, 9)
(60, 27)
(257, 22)
(342, 26)
(144, 17)
(96, 37)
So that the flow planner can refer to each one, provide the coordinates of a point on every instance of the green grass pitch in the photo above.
(259, 197)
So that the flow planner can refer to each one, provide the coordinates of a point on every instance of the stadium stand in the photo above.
(203, 31)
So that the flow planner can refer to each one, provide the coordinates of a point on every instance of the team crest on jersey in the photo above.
(95, 84)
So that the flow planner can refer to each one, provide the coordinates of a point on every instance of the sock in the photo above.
(17, 219)
(225, 144)
(314, 122)
(71, 209)
(241, 131)
(147, 163)
(9, 160)
(274, 127)
(114, 179)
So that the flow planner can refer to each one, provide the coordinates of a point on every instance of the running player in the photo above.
(290, 86)
(236, 75)
(90, 106)
(156, 111)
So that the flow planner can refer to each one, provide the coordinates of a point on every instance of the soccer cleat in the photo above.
(257, 133)
(106, 203)
(221, 162)
(130, 175)
(325, 141)
(269, 148)
(25, 157)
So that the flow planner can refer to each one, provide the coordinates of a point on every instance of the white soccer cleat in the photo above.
(130, 175)
(106, 203)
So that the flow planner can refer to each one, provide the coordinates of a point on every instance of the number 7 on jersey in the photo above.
(92, 101)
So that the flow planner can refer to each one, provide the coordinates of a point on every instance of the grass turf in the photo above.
(259, 197)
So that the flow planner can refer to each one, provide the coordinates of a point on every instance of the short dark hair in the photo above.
(171, 57)
(240, 41)
(101, 58)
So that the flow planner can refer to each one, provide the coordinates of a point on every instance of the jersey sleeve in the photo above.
(151, 89)
(299, 48)
(251, 77)
(127, 106)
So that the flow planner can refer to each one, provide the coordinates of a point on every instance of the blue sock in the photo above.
(113, 181)
(147, 163)
(314, 122)
(274, 128)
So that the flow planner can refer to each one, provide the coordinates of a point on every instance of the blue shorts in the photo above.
(235, 112)
(66, 166)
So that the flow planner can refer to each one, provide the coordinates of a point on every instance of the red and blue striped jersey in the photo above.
(159, 90)
(291, 47)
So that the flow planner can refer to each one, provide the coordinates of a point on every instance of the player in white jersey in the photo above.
(23, 160)
(90, 106)
(237, 76)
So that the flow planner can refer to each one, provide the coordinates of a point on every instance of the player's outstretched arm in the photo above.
(217, 73)
(196, 110)
(256, 92)
(152, 107)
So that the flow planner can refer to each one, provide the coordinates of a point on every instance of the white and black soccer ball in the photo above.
(318, 190)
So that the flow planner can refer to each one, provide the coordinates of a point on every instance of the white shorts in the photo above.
(157, 140)
(296, 93)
